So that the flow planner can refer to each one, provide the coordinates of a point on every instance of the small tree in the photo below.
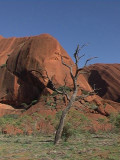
(74, 96)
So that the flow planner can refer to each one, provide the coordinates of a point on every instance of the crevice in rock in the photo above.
(118, 100)
(50, 85)
(30, 89)
(100, 84)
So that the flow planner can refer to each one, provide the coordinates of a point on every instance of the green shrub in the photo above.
(117, 124)
(11, 116)
(51, 103)
(104, 105)
(48, 103)
(85, 92)
(3, 65)
(8, 119)
(55, 120)
(34, 102)
(68, 131)
(48, 118)
(54, 93)
(94, 106)
(75, 123)
(62, 88)
(58, 115)
(101, 120)
(24, 105)
(115, 120)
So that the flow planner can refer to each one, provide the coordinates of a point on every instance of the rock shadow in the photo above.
(96, 80)
(118, 100)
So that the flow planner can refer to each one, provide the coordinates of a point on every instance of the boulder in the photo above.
(7, 109)
(26, 63)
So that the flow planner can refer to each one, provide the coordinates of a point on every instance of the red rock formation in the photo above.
(23, 66)
(20, 58)
(24, 62)
(106, 77)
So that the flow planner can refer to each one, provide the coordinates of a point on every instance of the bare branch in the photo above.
(76, 56)
(83, 72)
(70, 67)
(68, 98)
(89, 93)
(89, 60)
(96, 89)
(59, 92)
(84, 45)
(65, 63)
(81, 56)
(78, 49)
(64, 92)
(52, 83)
(53, 86)
(80, 70)
(85, 95)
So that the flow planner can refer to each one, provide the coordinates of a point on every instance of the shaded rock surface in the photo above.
(106, 78)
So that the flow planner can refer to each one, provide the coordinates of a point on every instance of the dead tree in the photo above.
(73, 97)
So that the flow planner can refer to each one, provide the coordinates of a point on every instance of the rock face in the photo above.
(26, 67)
(26, 63)
(7, 109)
(106, 77)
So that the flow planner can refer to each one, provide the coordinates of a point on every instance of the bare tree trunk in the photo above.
(60, 127)
(75, 89)
(62, 119)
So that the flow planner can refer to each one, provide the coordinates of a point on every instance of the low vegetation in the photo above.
(83, 146)
(77, 142)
